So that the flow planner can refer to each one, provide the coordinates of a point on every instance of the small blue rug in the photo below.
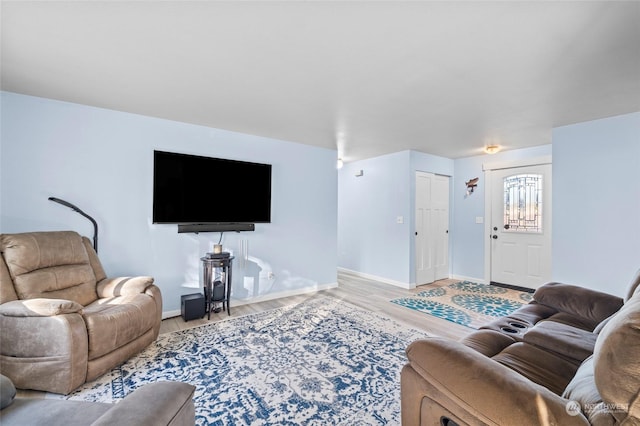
(321, 362)
(466, 303)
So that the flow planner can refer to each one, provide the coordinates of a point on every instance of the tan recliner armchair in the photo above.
(62, 321)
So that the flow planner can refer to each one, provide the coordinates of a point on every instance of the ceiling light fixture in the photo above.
(492, 149)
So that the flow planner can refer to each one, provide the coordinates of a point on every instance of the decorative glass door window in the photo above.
(523, 203)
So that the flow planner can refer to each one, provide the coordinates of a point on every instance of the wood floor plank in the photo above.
(364, 293)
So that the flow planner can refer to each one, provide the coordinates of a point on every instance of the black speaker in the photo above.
(218, 291)
(215, 227)
(192, 306)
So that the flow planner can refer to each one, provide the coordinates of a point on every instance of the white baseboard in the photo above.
(171, 314)
(265, 297)
(357, 274)
(472, 279)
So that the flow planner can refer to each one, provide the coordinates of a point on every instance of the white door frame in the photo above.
(423, 244)
(488, 167)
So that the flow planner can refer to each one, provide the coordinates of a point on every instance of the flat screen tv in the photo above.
(191, 189)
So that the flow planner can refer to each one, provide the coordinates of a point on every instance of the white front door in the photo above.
(521, 225)
(432, 227)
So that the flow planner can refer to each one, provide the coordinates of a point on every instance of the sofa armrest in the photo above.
(159, 403)
(582, 302)
(123, 286)
(39, 308)
(43, 344)
(461, 380)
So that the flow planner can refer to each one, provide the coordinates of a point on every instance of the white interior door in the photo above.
(521, 226)
(432, 227)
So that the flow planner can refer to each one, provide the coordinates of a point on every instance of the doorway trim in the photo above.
(488, 167)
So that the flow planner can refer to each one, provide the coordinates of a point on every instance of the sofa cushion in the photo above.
(572, 342)
(51, 265)
(571, 320)
(585, 308)
(582, 389)
(531, 313)
(114, 322)
(69, 282)
(542, 367)
(617, 364)
(487, 342)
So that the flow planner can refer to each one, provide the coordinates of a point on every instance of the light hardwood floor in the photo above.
(364, 293)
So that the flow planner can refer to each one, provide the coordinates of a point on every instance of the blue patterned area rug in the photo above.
(466, 303)
(320, 362)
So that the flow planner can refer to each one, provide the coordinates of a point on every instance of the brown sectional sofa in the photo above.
(63, 321)
(154, 404)
(570, 357)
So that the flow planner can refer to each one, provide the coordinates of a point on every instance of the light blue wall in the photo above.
(102, 161)
(370, 239)
(468, 237)
(596, 203)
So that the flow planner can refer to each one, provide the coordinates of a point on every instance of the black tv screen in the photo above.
(191, 189)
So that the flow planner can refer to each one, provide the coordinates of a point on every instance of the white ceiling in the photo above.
(367, 78)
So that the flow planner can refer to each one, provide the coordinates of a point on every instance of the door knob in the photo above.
(506, 226)
(495, 237)
(495, 228)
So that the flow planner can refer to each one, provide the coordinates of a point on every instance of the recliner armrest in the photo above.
(123, 286)
(484, 388)
(43, 344)
(159, 403)
(593, 305)
(39, 308)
